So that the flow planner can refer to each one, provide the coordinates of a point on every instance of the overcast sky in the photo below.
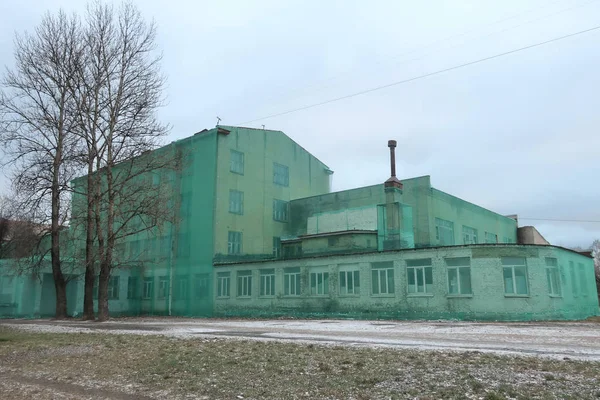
(518, 134)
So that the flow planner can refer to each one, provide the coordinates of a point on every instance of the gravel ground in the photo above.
(574, 340)
(48, 360)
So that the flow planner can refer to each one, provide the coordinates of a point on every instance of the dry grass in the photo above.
(161, 367)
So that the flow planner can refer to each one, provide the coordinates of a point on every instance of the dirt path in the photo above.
(17, 387)
(576, 340)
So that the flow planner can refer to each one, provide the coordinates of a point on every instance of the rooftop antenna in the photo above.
(218, 120)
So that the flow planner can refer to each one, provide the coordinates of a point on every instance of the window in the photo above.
(349, 280)
(319, 283)
(582, 283)
(573, 278)
(236, 163)
(163, 287)
(515, 276)
(134, 249)
(6, 289)
(491, 237)
(552, 276)
(223, 284)
(181, 290)
(267, 282)
(236, 202)
(281, 175)
(469, 235)
(459, 275)
(201, 286)
(244, 283)
(148, 291)
(382, 278)
(444, 231)
(183, 245)
(113, 288)
(280, 210)
(234, 243)
(276, 246)
(165, 244)
(291, 281)
(132, 287)
(419, 276)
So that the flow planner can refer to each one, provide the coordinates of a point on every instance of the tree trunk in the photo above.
(59, 279)
(88, 295)
(60, 287)
(103, 292)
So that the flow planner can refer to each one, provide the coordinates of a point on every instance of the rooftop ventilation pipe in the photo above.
(393, 182)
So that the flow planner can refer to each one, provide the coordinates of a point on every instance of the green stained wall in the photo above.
(487, 301)
(174, 259)
(463, 213)
(427, 203)
(193, 236)
(261, 149)
(414, 193)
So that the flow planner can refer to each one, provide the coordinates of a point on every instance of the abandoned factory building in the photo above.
(260, 234)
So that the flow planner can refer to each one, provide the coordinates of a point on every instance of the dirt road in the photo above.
(574, 340)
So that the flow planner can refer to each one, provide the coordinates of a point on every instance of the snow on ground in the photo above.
(558, 340)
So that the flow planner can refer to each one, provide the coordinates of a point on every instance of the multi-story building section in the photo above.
(259, 233)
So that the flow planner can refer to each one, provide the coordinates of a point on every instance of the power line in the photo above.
(422, 76)
(559, 220)
(322, 85)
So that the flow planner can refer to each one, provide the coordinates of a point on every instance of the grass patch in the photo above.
(162, 367)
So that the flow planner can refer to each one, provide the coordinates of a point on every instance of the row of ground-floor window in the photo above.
(419, 274)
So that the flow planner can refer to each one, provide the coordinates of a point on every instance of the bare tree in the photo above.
(596, 255)
(5, 215)
(36, 125)
(119, 87)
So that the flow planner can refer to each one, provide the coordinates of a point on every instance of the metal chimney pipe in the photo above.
(392, 146)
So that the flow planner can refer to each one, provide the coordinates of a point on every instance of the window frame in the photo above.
(182, 288)
(132, 287)
(353, 271)
(281, 214)
(239, 210)
(201, 281)
(243, 283)
(512, 267)
(163, 285)
(268, 284)
(239, 163)
(457, 267)
(113, 288)
(471, 233)
(320, 274)
(281, 175)
(424, 268)
(443, 224)
(232, 245)
(384, 271)
(148, 286)
(276, 246)
(296, 273)
(552, 271)
(573, 276)
(223, 282)
(494, 237)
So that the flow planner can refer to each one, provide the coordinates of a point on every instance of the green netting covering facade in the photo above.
(259, 234)
(472, 282)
